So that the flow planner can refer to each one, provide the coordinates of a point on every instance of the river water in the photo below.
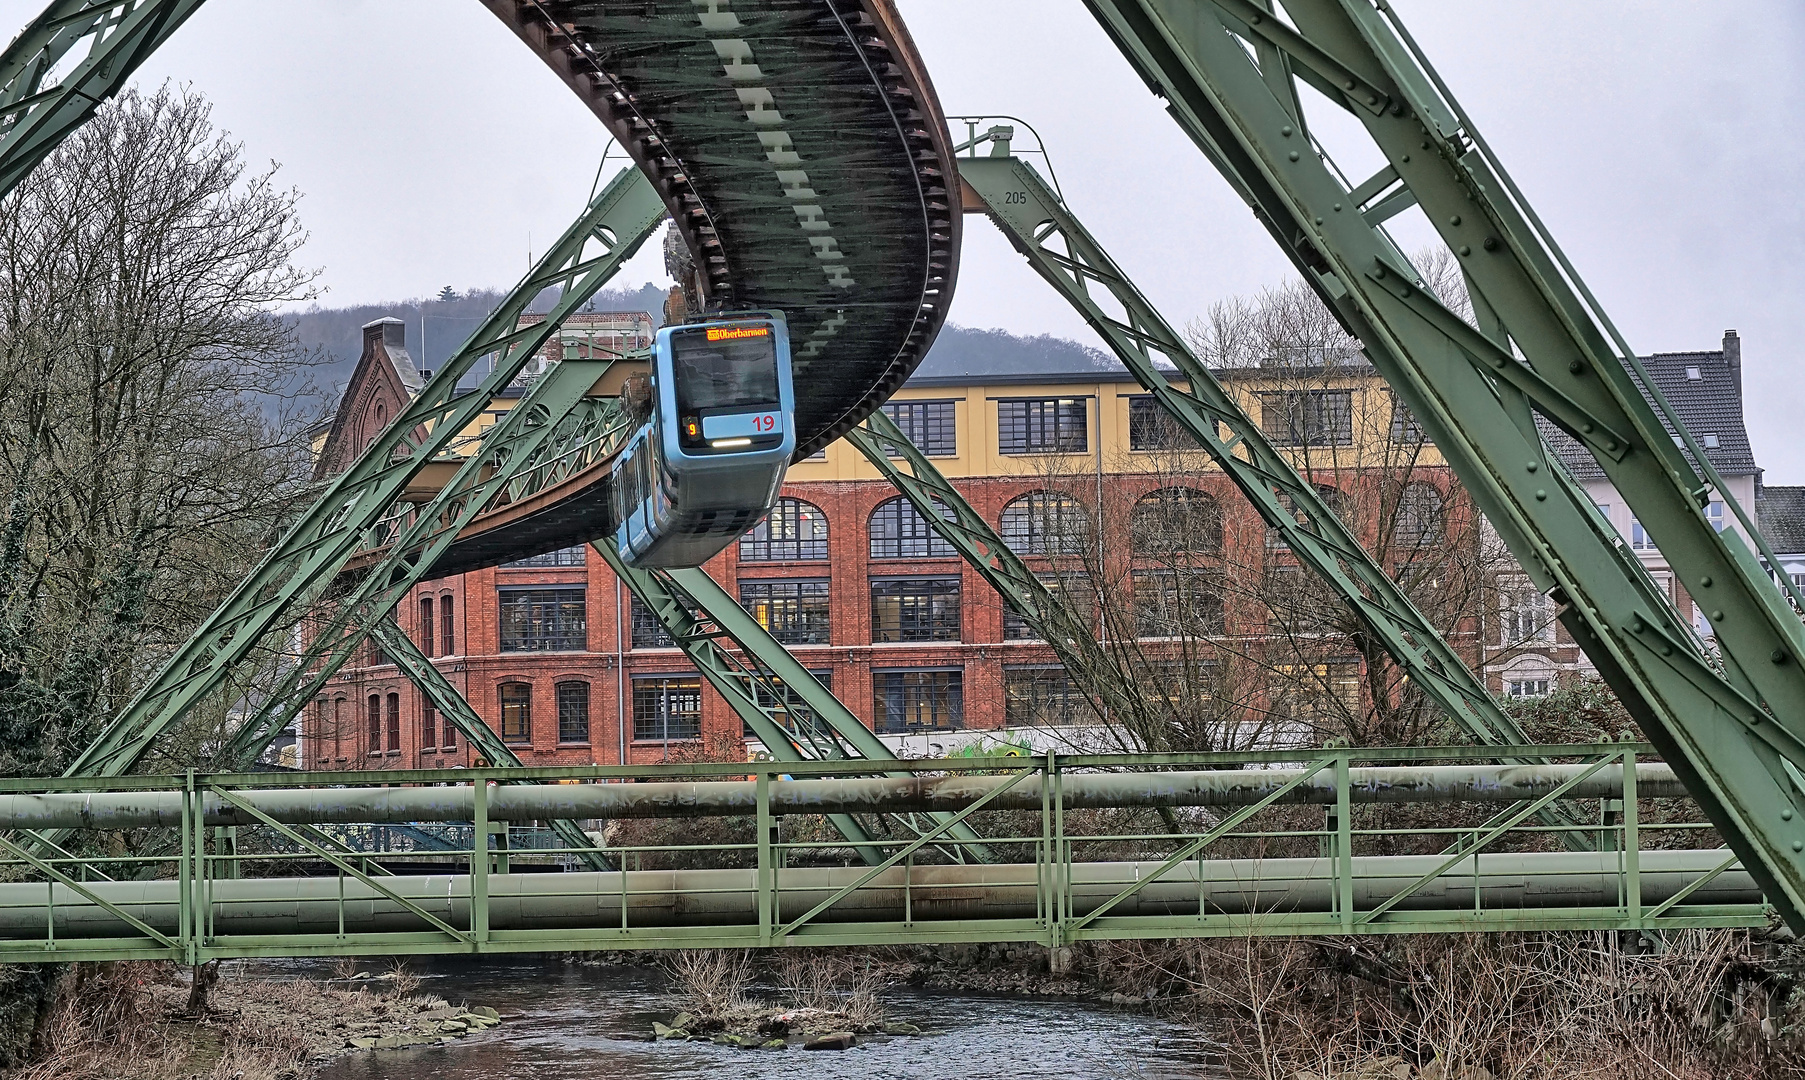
(577, 1022)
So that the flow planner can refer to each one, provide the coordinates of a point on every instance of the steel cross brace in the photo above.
(344, 519)
(914, 475)
(1037, 222)
(456, 708)
(1735, 736)
(698, 613)
(533, 435)
(35, 119)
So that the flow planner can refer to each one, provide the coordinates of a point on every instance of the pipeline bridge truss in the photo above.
(800, 152)
(1278, 842)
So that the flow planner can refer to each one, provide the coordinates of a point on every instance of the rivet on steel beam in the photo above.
(1786, 813)
(1704, 582)
(1405, 159)
(1533, 466)
(1778, 656)
(1798, 845)
(1717, 616)
(1666, 649)
(1465, 250)
(1319, 219)
(1285, 131)
(1337, 208)
(1577, 367)
(1541, 496)
(1292, 155)
(1637, 625)
(1491, 243)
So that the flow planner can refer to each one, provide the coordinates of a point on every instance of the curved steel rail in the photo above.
(803, 156)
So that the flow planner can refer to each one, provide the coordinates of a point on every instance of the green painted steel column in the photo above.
(1737, 736)
(554, 413)
(454, 707)
(121, 34)
(345, 518)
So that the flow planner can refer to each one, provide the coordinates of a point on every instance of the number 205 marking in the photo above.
(1014, 197)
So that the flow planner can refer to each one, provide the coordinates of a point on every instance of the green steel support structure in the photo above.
(356, 507)
(34, 118)
(453, 707)
(783, 703)
(213, 899)
(1227, 70)
(552, 429)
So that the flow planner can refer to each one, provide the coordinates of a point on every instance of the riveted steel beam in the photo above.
(1736, 735)
(793, 715)
(349, 515)
(34, 118)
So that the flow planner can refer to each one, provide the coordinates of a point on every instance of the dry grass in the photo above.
(713, 983)
(1708, 1006)
(846, 984)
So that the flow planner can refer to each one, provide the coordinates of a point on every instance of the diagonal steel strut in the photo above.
(346, 518)
(1735, 734)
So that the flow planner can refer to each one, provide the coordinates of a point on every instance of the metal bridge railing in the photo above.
(1290, 842)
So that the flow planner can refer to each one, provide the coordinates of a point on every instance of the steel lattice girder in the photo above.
(933, 495)
(553, 414)
(454, 707)
(121, 33)
(1737, 737)
(345, 518)
(765, 682)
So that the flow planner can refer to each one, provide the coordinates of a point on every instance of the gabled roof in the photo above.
(1780, 515)
(383, 382)
(1710, 405)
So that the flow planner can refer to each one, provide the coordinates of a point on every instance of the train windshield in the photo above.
(724, 367)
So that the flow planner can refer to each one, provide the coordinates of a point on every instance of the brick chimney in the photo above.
(392, 333)
(1733, 357)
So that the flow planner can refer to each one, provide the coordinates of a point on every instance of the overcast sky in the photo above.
(1659, 141)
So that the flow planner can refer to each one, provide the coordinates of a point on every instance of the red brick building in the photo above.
(552, 653)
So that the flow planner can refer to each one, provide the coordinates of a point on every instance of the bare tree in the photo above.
(151, 424)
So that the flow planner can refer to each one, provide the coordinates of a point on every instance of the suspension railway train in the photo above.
(709, 460)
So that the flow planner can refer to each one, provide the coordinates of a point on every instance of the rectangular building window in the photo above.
(1526, 688)
(1298, 602)
(795, 612)
(1073, 589)
(570, 556)
(1525, 616)
(904, 701)
(1405, 427)
(1715, 515)
(1151, 427)
(573, 712)
(1308, 417)
(1307, 699)
(426, 626)
(665, 709)
(375, 724)
(429, 724)
(648, 632)
(1043, 697)
(1640, 540)
(929, 425)
(785, 705)
(445, 625)
(516, 712)
(544, 620)
(1176, 603)
(1043, 426)
(915, 609)
(394, 711)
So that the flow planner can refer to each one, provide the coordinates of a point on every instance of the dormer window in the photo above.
(1710, 442)
(1692, 374)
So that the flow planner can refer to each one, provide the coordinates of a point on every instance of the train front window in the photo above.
(724, 368)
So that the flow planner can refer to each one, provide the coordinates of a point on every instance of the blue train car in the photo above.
(708, 463)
